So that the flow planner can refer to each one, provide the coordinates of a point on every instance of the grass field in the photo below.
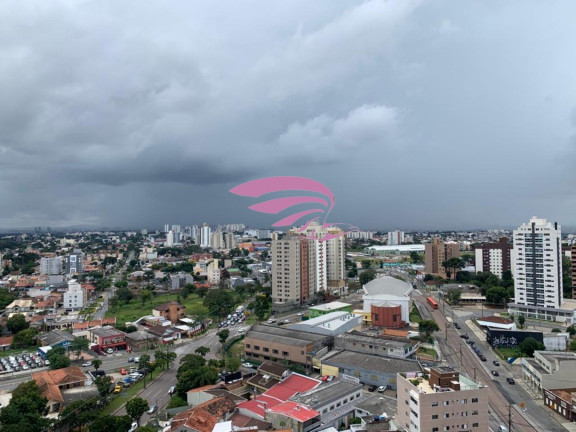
(505, 353)
(415, 316)
(135, 309)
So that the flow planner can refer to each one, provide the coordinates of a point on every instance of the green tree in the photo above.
(367, 275)
(121, 284)
(416, 258)
(59, 362)
(567, 276)
(453, 295)
(78, 413)
(521, 321)
(109, 423)
(223, 335)
(497, 295)
(571, 329)
(233, 364)
(176, 402)
(124, 295)
(194, 378)
(78, 345)
(136, 407)
(202, 350)
(428, 327)
(96, 363)
(103, 385)
(17, 323)
(219, 302)
(190, 361)
(145, 295)
(25, 338)
(366, 264)
(529, 345)
(26, 409)
(572, 346)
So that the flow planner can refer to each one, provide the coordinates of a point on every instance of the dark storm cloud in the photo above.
(415, 114)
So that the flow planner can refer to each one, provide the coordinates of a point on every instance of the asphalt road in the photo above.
(501, 395)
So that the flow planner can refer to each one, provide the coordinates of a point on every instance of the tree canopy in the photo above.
(17, 323)
(25, 410)
(219, 302)
(367, 275)
(529, 345)
(135, 407)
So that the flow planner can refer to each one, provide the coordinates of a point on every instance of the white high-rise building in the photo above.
(166, 228)
(170, 238)
(395, 238)
(538, 264)
(75, 297)
(229, 241)
(49, 265)
(205, 235)
(217, 241)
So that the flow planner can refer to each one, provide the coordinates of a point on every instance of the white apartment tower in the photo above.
(75, 297)
(538, 264)
(48, 265)
(170, 238)
(217, 241)
(395, 238)
(205, 235)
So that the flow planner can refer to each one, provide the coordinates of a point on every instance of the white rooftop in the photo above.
(330, 306)
(402, 248)
(388, 285)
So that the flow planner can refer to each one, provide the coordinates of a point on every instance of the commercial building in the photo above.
(494, 257)
(389, 290)
(331, 324)
(326, 308)
(562, 401)
(444, 400)
(50, 265)
(436, 253)
(386, 314)
(367, 368)
(276, 343)
(550, 370)
(377, 345)
(75, 297)
(538, 264)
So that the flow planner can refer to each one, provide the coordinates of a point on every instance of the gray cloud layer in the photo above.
(416, 114)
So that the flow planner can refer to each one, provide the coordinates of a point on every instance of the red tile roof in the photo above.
(49, 381)
(496, 320)
(204, 417)
(281, 392)
(296, 411)
(6, 341)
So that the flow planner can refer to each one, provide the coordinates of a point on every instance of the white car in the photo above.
(87, 364)
(110, 351)
(133, 427)
(247, 365)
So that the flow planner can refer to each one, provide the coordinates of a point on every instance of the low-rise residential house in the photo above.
(141, 341)
(53, 382)
(172, 311)
(203, 417)
(200, 395)
(6, 343)
(269, 374)
(20, 306)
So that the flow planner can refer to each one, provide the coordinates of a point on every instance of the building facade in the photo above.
(445, 401)
(395, 238)
(75, 297)
(436, 252)
(50, 265)
(74, 262)
(494, 257)
(538, 264)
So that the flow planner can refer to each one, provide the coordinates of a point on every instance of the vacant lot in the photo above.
(136, 309)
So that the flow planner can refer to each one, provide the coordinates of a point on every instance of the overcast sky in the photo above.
(417, 115)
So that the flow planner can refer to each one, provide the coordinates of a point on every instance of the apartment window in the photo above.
(274, 351)
(446, 415)
(257, 348)
(247, 345)
(265, 349)
(474, 424)
(474, 400)
(285, 353)
(331, 407)
(446, 403)
(434, 404)
(435, 429)
(474, 412)
(435, 417)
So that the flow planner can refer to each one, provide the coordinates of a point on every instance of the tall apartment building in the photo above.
(436, 252)
(75, 297)
(303, 265)
(166, 228)
(205, 235)
(74, 262)
(49, 265)
(229, 241)
(445, 400)
(213, 272)
(494, 257)
(395, 238)
(363, 235)
(573, 259)
(170, 238)
(217, 241)
(538, 264)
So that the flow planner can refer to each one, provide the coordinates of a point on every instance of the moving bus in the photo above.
(432, 302)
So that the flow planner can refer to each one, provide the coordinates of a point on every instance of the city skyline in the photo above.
(418, 116)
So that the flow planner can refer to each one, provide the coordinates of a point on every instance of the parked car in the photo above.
(325, 378)
(172, 390)
(110, 351)
(87, 364)
(510, 381)
(381, 389)
(496, 363)
(122, 371)
(118, 388)
(247, 365)
(130, 359)
(457, 325)
(482, 358)
(133, 427)
(372, 388)
(465, 336)
(495, 373)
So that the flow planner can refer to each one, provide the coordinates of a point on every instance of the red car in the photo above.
(325, 377)
(122, 371)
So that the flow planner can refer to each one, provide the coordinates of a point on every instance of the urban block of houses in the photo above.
(203, 417)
